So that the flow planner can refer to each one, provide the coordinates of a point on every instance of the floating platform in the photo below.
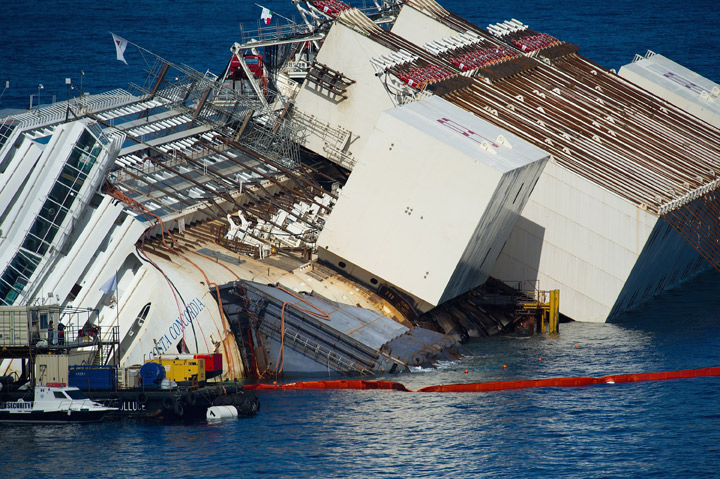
(187, 404)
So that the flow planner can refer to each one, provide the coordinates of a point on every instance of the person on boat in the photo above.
(61, 333)
(51, 332)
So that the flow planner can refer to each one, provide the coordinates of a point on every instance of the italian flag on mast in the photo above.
(266, 15)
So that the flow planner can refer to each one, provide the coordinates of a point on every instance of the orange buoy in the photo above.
(466, 371)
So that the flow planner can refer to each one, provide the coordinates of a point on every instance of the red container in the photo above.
(213, 364)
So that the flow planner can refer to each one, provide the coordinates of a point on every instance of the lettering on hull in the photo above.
(176, 328)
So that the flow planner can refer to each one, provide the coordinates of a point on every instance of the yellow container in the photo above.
(183, 370)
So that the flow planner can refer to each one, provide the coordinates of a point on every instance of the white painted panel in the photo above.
(578, 238)
(427, 200)
(29, 202)
(348, 52)
(19, 169)
(418, 28)
(676, 84)
(70, 268)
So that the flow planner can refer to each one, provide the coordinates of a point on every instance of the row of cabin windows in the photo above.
(51, 216)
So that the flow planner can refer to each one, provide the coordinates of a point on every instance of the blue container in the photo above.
(96, 378)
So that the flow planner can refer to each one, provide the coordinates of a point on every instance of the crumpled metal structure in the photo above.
(283, 333)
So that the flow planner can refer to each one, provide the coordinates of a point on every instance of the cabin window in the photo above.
(50, 219)
(74, 291)
(75, 394)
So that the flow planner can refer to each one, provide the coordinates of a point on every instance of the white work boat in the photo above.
(53, 404)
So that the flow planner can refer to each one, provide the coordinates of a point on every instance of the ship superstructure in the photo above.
(437, 236)
(631, 185)
(631, 179)
(378, 168)
(141, 205)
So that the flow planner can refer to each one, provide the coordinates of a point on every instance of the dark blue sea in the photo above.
(651, 429)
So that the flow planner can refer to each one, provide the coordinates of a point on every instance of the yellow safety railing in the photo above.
(549, 303)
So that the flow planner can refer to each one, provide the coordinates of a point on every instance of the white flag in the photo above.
(120, 45)
(110, 285)
(266, 15)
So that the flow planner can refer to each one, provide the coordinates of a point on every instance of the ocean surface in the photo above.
(652, 429)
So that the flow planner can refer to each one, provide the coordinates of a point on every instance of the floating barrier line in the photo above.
(336, 384)
(577, 381)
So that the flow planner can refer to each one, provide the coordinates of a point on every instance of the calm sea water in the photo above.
(665, 429)
(46, 41)
(653, 429)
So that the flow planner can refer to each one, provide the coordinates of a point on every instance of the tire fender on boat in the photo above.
(142, 398)
(190, 398)
(169, 402)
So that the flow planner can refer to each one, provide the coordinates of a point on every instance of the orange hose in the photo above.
(321, 315)
(114, 192)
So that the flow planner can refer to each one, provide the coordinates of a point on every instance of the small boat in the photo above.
(53, 404)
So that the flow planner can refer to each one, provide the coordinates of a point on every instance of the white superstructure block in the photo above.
(604, 253)
(350, 53)
(431, 201)
(676, 84)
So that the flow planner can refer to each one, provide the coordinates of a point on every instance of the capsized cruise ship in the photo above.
(182, 211)
(265, 212)
(624, 208)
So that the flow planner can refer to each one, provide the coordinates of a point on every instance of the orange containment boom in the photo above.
(572, 382)
(337, 384)
(494, 386)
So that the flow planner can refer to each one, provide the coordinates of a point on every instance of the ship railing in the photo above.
(273, 32)
(105, 100)
(55, 113)
(144, 168)
(527, 294)
(333, 358)
(28, 326)
(36, 118)
(173, 157)
(334, 138)
(72, 337)
(107, 345)
(531, 299)
(102, 341)
(322, 352)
